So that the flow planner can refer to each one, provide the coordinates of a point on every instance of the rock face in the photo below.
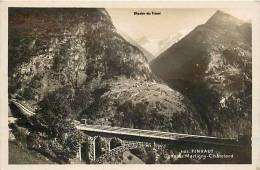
(212, 65)
(73, 62)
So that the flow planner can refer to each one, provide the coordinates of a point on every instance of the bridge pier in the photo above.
(86, 151)
(92, 149)
(79, 153)
(109, 146)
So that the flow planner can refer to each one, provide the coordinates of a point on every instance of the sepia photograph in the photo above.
(129, 85)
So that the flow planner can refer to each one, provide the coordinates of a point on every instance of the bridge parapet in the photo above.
(151, 133)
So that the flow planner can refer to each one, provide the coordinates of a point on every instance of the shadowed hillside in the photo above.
(212, 65)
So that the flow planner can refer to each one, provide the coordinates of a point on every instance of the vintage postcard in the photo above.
(136, 83)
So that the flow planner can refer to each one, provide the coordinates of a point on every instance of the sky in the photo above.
(171, 22)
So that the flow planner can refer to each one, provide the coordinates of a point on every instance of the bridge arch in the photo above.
(114, 142)
(101, 146)
(113, 152)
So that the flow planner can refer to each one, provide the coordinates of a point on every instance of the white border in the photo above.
(250, 5)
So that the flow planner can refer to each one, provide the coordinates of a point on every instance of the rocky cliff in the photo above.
(73, 62)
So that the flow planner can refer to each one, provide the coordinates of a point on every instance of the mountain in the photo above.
(167, 42)
(73, 62)
(212, 66)
(157, 46)
(146, 53)
(150, 45)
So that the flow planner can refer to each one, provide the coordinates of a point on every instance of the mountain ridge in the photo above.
(212, 66)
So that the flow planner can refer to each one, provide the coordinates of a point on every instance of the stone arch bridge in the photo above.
(105, 142)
